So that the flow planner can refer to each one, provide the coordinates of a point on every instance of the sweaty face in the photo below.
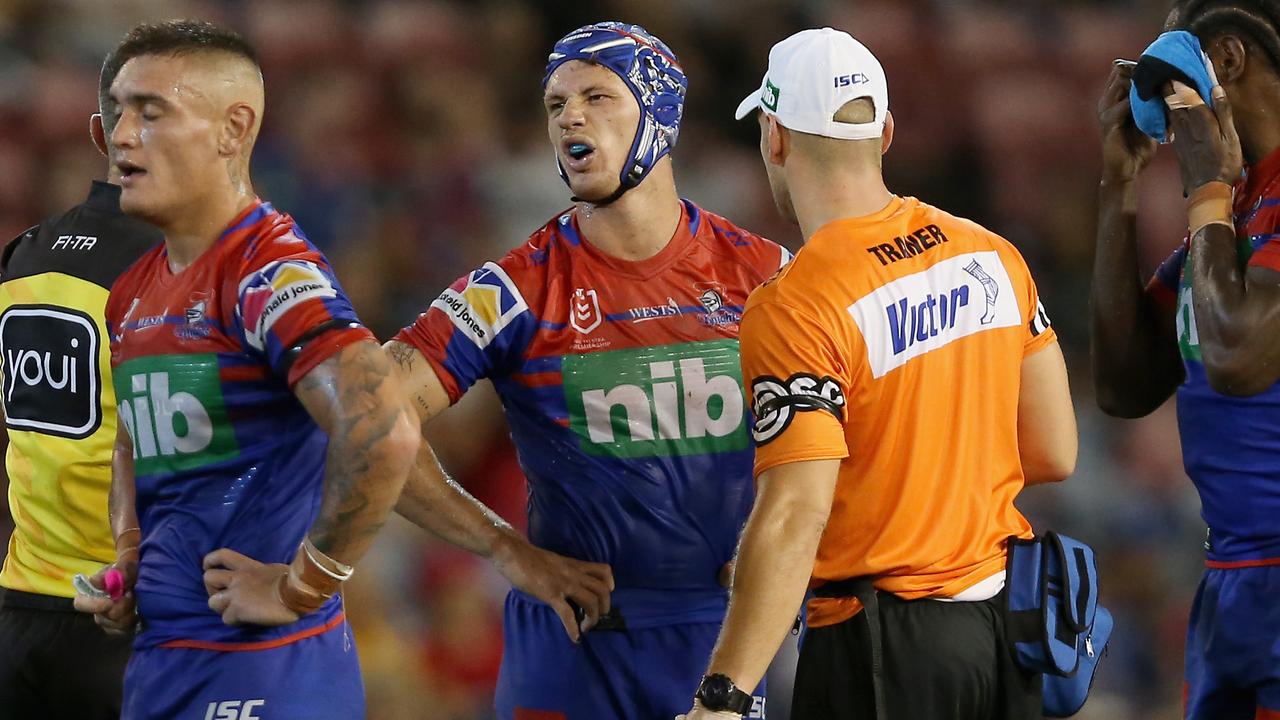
(777, 180)
(165, 144)
(591, 119)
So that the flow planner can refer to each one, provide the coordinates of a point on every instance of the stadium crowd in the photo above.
(407, 138)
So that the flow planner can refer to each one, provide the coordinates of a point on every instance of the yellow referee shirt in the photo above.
(59, 405)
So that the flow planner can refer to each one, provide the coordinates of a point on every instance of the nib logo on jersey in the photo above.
(173, 408)
(51, 377)
(683, 399)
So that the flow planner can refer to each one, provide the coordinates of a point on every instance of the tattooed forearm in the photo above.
(354, 397)
(419, 379)
(402, 354)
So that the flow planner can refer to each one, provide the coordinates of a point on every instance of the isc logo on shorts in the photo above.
(51, 378)
(913, 315)
(234, 710)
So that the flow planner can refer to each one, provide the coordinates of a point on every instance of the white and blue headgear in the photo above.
(655, 77)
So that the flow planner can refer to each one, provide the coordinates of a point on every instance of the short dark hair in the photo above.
(181, 37)
(1256, 20)
(173, 37)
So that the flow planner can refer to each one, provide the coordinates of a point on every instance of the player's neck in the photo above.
(195, 231)
(820, 197)
(637, 225)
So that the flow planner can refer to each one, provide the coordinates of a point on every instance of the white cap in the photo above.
(811, 75)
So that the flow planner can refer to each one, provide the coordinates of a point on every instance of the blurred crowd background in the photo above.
(408, 139)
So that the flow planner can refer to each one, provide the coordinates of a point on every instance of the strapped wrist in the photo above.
(313, 578)
(1209, 204)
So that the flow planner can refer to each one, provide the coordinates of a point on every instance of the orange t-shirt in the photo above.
(894, 342)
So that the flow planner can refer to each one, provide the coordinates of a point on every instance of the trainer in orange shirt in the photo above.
(906, 385)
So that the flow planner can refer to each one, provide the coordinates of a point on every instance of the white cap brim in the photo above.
(749, 104)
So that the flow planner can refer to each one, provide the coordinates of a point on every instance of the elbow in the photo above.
(1230, 373)
(1050, 472)
(403, 442)
(1051, 465)
(397, 450)
(1115, 404)
(1120, 399)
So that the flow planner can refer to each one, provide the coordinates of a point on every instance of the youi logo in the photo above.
(916, 314)
(681, 399)
(52, 383)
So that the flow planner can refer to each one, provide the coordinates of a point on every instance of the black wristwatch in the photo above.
(717, 693)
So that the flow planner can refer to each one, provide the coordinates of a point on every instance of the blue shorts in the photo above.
(1233, 646)
(315, 677)
(633, 674)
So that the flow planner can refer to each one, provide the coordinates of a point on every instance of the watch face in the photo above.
(714, 692)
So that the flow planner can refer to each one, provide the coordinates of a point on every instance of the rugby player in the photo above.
(1205, 327)
(611, 337)
(262, 437)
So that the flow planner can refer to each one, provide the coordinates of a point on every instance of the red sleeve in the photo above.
(292, 309)
(477, 327)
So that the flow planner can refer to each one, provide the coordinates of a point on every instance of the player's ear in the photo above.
(237, 130)
(886, 138)
(779, 141)
(1229, 55)
(99, 134)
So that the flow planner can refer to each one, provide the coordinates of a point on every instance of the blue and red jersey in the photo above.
(1231, 445)
(623, 394)
(224, 453)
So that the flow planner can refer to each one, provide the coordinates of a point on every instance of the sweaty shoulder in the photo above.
(763, 256)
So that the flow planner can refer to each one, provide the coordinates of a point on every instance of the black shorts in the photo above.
(941, 661)
(57, 663)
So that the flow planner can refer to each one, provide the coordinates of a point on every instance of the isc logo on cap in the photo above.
(51, 378)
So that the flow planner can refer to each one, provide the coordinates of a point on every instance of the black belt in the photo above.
(862, 589)
(18, 599)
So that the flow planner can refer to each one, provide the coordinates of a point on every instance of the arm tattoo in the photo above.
(402, 354)
(349, 398)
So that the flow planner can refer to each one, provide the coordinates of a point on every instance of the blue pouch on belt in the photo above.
(1055, 625)
(1174, 55)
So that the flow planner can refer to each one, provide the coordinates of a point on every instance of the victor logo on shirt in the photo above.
(681, 399)
(918, 313)
(172, 407)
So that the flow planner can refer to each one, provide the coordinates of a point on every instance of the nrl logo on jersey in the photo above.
(482, 303)
(584, 310)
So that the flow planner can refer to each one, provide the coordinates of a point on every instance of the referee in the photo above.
(60, 417)
(906, 385)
